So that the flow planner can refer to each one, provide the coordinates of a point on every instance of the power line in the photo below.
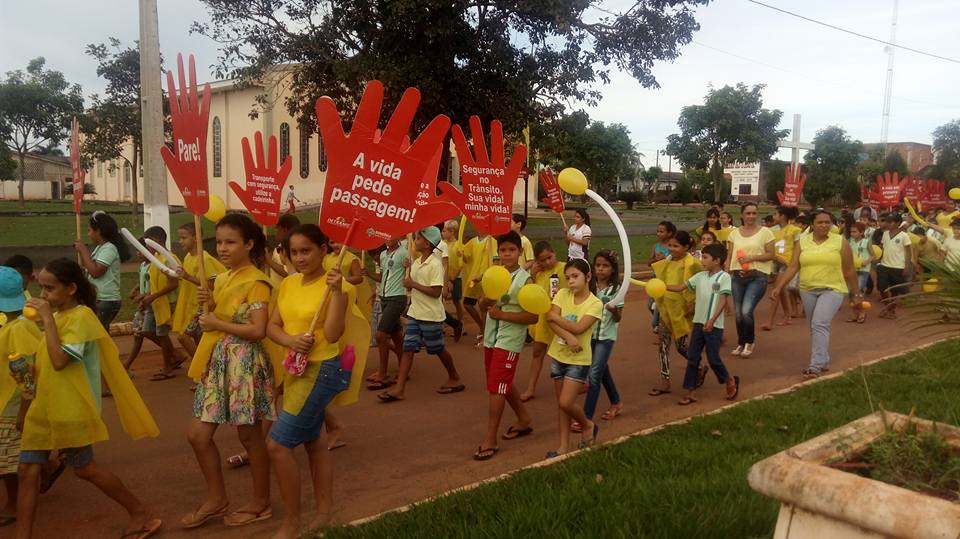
(831, 26)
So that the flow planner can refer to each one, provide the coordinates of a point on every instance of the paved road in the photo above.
(403, 452)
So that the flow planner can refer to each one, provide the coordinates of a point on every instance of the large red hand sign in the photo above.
(934, 194)
(793, 182)
(188, 160)
(373, 179)
(79, 175)
(264, 181)
(887, 192)
(488, 181)
(554, 197)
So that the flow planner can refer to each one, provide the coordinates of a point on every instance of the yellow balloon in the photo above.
(865, 305)
(31, 314)
(656, 288)
(955, 193)
(572, 181)
(217, 209)
(534, 299)
(876, 251)
(857, 263)
(931, 286)
(495, 282)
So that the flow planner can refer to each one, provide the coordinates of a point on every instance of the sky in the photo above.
(829, 77)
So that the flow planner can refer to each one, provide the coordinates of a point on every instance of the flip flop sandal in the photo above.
(337, 445)
(552, 454)
(485, 453)
(149, 530)
(513, 433)
(686, 401)
(736, 390)
(238, 460)
(47, 483)
(702, 376)
(446, 390)
(576, 427)
(612, 413)
(387, 397)
(592, 441)
(378, 385)
(199, 518)
(266, 514)
(161, 376)
(656, 392)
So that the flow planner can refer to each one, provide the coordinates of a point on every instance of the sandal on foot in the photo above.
(387, 397)
(199, 518)
(613, 412)
(148, 530)
(255, 516)
(552, 454)
(336, 445)
(161, 376)
(238, 460)
(702, 375)
(736, 389)
(592, 441)
(485, 453)
(656, 392)
(686, 401)
(809, 374)
(446, 390)
(513, 432)
(378, 385)
(47, 483)
(575, 426)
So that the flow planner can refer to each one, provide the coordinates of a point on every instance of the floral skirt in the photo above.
(237, 388)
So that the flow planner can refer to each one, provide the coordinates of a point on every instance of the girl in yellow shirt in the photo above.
(187, 313)
(326, 378)
(65, 413)
(548, 273)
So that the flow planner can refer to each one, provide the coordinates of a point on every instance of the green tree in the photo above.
(702, 183)
(8, 167)
(650, 178)
(731, 125)
(113, 122)
(946, 146)
(36, 107)
(832, 167)
(685, 191)
(894, 162)
(872, 167)
(520, 62)
(775, 170)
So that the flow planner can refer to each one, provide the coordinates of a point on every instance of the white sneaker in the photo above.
(737, 351)
(747, 350)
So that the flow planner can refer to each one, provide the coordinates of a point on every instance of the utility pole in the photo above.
(156, 211)
(888, 88)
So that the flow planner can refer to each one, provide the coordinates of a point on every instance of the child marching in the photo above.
(606, 267)
(186, 316)
(548, 273)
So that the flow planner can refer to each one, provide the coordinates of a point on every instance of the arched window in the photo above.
(304, 152)
(321, 154)
(284, 141)
(217, 139)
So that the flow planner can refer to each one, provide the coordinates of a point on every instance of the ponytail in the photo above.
(107, 226)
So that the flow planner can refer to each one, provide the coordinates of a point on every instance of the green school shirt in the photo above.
(606, 329)
(391, 272)
(108, 284)
(500, 333)
(709, 289)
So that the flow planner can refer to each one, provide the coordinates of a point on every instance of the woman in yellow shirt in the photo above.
(825, 264)
(572, 316)
(326, 377)
(750, 255)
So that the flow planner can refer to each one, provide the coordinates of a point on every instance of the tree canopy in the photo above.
(831, 167)
(521, 62)
(36, 106)
(946, 146)
(894, 162)
(731, 125)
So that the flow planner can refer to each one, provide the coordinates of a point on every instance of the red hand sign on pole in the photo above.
(934, 194)
(488, 180)
(793, 182)
(188, 160)
(373, 179)
(264, 182)
(887, 192)
(554, 197)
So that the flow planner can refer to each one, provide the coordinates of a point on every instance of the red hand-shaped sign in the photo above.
(488, 181)
(934, 194)
(887, 192)
(554, 197)
(264, 181)
(79, 175)
(793, 182)
(188, 160)
(372, 179)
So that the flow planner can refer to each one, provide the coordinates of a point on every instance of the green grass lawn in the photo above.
(686, 480)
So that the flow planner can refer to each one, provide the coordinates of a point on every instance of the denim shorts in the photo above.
(430, 333)
(150, 323)
(292, 430)
(391, 309)
(75, 457)
(577, 373)
(456, 293)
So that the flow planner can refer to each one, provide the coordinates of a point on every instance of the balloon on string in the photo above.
(534, 299)
(495, 282)
(931, 286)
(656, 288)
(876, 251)
(857, 263)
(572, 181)
(955, 193)
(217, 209)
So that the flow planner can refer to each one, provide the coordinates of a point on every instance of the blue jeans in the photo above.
(600, 375)
(747, 293)
(821, 305)
(292, 430)
(107, 311)
(699, 340)
(863, 278)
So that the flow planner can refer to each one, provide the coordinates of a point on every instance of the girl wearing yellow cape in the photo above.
(325, 380)
(235, 374)
(65, 415)
(187, 313)
(675, 307)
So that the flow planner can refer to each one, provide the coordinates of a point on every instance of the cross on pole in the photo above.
(794, 143)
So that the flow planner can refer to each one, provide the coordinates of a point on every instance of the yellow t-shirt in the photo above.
(477, 257)
(423, 307)
(754, 245)
(275, 277)
(551, 281)
(187, 292)
(526, 251)
(724, 233)
(454, 259)
(821, 265)
(297, 304)
(944, 219)
(784, 240)
(591, 306)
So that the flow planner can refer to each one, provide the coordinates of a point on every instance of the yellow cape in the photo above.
(161, 305)
(364, 290)
(297, 306)
(64, 413)
(187, 293)
(18, 338)
(229, 293)
(673, 305)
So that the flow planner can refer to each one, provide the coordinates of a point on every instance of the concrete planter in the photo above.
(818, 502)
